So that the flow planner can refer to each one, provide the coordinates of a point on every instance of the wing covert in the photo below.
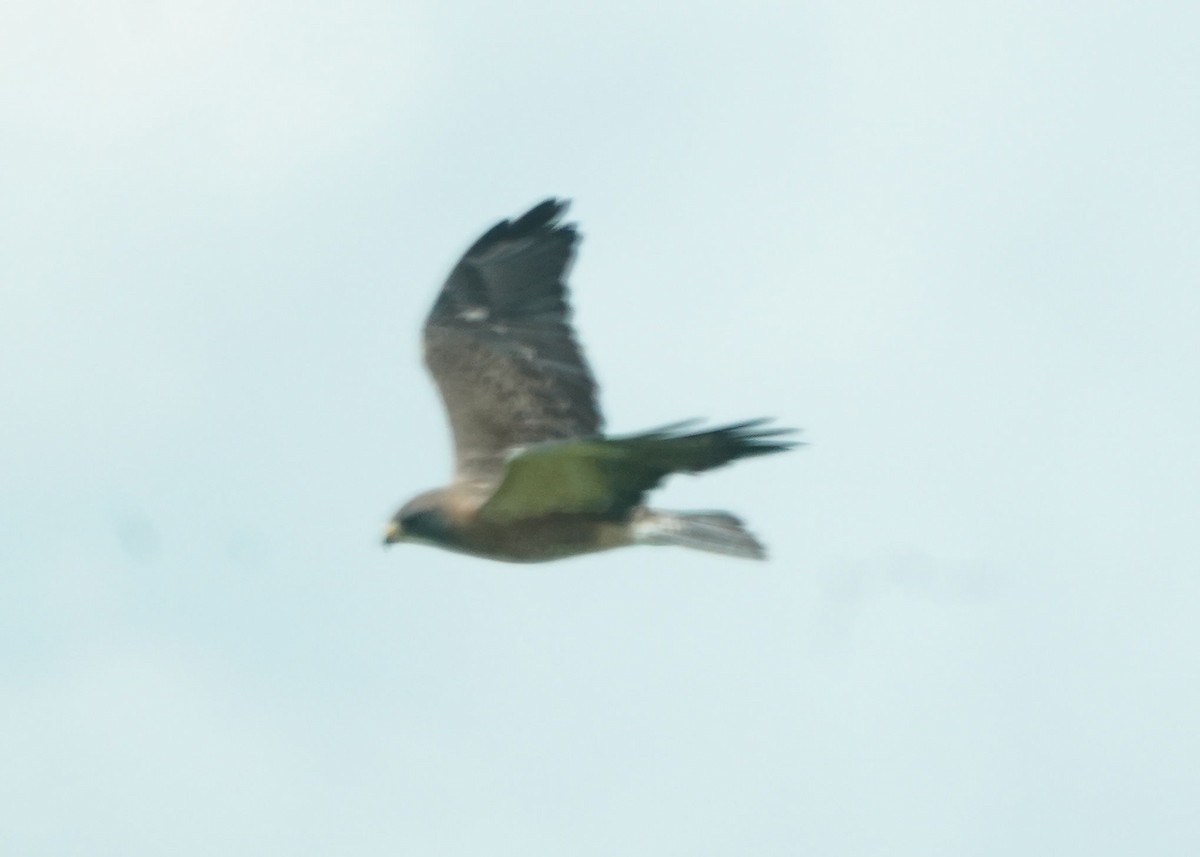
(608, 477)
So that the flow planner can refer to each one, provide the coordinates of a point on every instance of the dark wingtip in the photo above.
(543, 214)
(543, 217)
(750, 437)
(759, 437)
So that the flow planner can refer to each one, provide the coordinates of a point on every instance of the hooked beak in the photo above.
(392, 534)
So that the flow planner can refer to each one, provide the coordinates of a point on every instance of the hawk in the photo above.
(535, 478)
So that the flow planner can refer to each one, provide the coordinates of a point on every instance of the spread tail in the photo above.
(715, 532)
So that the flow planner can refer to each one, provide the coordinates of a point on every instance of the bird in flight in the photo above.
(535, 478)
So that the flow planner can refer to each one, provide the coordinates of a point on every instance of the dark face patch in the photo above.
(428, 524)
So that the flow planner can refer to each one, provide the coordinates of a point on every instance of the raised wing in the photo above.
(608, 476)
(500, 346)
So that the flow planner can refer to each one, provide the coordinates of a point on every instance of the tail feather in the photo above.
(715, 532)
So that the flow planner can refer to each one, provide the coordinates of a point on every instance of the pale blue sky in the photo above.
(955, 242)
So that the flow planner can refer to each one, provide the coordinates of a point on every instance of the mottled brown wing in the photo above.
(500, 346)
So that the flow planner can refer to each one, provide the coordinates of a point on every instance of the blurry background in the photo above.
(955, 242)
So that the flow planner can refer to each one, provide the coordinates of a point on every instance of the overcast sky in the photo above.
(955, 242)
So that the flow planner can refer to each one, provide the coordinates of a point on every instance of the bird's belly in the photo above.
(544, 539)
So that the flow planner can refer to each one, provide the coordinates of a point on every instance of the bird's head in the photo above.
(421, 519)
